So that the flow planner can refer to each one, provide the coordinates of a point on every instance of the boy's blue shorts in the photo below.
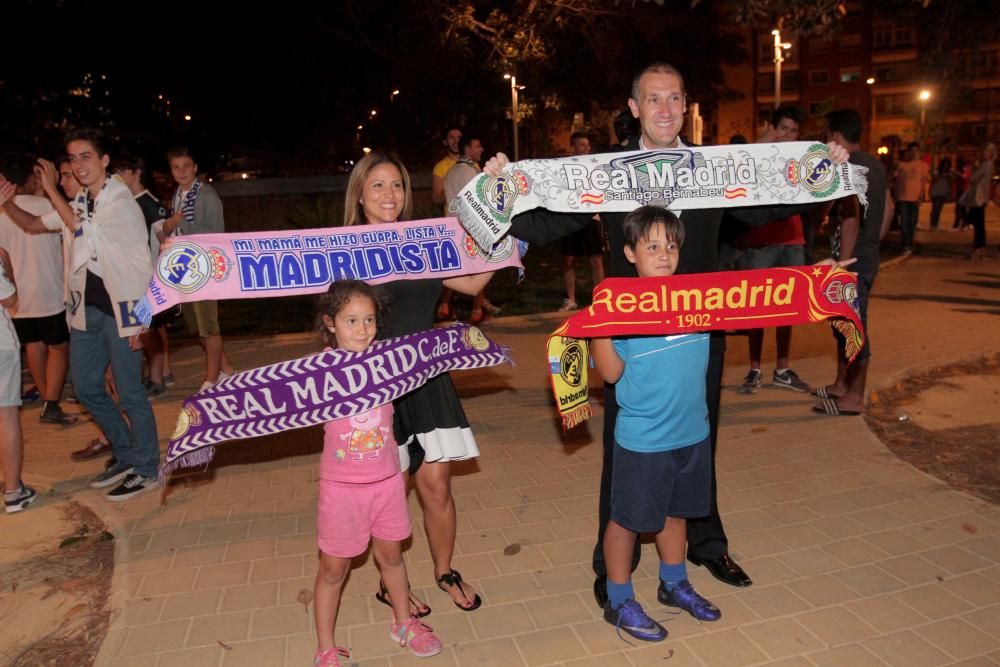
(647, 487)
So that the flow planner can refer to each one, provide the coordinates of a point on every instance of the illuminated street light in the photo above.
(392, 96)
(779, 57)
(513, 108)
(871, 93)
(374, 112)
(187, 116)
(923, 97)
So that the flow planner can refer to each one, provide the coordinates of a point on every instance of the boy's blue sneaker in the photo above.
(685, 597)
(631, 618)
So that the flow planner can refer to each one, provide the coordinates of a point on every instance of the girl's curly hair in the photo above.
(330, 302)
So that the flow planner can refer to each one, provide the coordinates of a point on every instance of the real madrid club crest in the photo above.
(839, 292)
(186, 267)
(571, 363)
(501, 251)
(188, 417)
(500, 192)
(475, 339)
(816, 172)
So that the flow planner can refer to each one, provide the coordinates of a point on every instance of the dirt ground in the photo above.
(56, 563)
(946, 422)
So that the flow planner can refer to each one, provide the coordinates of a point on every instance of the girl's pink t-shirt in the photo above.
(360, 449)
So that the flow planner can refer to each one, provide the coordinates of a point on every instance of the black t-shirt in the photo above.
(866, 249)
(153, 210)
(96, 294)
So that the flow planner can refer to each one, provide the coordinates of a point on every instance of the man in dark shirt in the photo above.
(658, 101)
(861, 232)
(130, 170)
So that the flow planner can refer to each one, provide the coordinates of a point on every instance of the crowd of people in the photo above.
(79, 237)
(82, 234)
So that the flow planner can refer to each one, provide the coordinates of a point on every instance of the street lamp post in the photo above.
(874, 106)
(513, 108)
(923, 97)
(779, 57)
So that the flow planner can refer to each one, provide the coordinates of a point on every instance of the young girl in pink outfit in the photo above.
(362, 494)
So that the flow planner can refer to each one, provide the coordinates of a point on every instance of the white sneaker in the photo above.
(223, 375)
(567, 305)
(207, 384)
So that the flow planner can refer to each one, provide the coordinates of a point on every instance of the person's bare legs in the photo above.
(619, 543)
(671, 542)
(597, 268)
(477, 313)
(153, 345)
(213, 356)
(389, 556)
(783, 341)
(329, 586)
(856, 376)
(36, 354)
(433, 482)
(165, 346)
(224, 364)
(11, 448)
(838, 387)
(569, 276)
(755, 340)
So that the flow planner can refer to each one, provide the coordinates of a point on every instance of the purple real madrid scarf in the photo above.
(321, 387)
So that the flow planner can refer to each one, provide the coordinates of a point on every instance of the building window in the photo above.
(852, 41)
(882, 37)
(817, 45)
(818, 77)
(850, 74)
(904, 37)
(854, 8)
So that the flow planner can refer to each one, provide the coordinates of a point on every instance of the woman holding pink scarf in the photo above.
(429, 424)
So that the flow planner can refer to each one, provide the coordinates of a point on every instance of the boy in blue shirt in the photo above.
(662, 456)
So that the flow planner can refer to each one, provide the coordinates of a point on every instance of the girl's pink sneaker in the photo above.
(330, 657)
(418, 636)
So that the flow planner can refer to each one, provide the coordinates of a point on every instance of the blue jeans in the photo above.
(908, 212)
(133, 442)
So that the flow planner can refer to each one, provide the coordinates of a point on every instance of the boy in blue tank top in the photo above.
(662, 456)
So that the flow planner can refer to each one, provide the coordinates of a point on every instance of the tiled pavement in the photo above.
(858, 559)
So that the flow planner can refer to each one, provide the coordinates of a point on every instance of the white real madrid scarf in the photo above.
(678, 178)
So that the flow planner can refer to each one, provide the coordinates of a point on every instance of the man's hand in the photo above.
(768, 134)
(838, 153)
(495, 164)
(171, 224)
(832, 262)
(45, 172)
(7, 191)
(135, 342)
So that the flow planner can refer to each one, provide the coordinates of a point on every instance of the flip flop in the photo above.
(383, 596)
(828, 406)
(453, 578)
(823, 392)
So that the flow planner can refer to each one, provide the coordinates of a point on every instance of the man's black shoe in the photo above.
(601, 591)
(725, 570)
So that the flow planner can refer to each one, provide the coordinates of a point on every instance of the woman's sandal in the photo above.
(453, 578)
(383, 597)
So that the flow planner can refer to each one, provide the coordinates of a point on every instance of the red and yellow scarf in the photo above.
(697, 302)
